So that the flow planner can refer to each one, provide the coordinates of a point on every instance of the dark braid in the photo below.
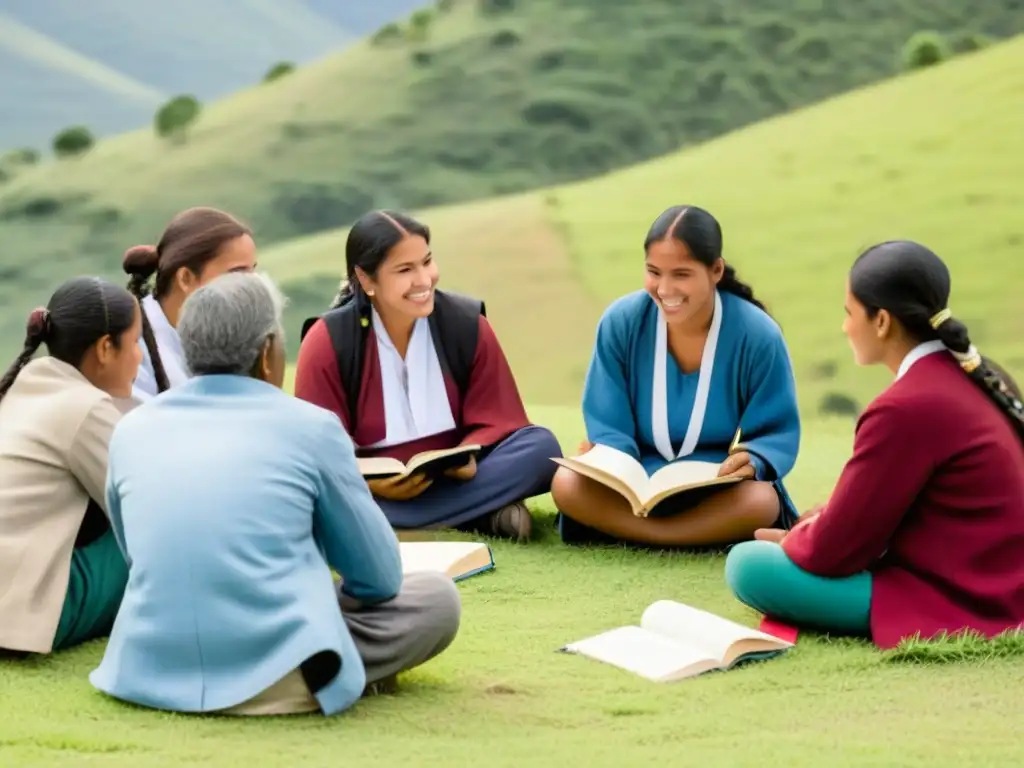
(140, 262)
(992, 379)
(36, 333)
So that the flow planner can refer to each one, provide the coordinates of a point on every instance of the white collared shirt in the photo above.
(921, 350)
(415, 396)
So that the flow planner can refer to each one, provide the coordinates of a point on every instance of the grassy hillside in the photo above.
(933, 156)
(208, 48)
(485, 102)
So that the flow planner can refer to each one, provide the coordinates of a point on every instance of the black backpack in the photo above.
(454, 326)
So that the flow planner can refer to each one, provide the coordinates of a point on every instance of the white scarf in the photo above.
(659, 399)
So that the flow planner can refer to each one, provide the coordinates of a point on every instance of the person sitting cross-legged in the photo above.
(924, 532)
(232, 502)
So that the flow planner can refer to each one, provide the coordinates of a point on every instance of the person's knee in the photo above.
(442, 604)
(749, 568)
(566, 487)
(760, 503)
(544, 443)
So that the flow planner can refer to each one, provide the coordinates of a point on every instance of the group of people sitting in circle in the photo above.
(158, 486)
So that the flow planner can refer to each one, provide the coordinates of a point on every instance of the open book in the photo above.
(675, 641)
(459, 559)
(431, 462)
(625, 475)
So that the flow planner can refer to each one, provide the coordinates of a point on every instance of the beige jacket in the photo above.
(54, 431)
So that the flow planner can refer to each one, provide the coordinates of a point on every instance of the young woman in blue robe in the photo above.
(678, 368)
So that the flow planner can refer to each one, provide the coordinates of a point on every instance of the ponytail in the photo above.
(344, 295)
(350, 290)
(992, 379)
(732, 284)
(37, 331)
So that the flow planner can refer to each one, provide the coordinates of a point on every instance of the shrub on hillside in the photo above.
(14, 161)
(505, 38)
(443, 6)
(966, 42)
(73, 141)
(925, 49)
(494, 7)
(389, 33)
(173, 119)
(422, 58)
(20, 157)
(278, 71)
(838, 404)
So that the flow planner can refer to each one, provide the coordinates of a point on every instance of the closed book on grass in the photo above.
(626, 476)
(675, 641)
(459, 559)
(433, 463)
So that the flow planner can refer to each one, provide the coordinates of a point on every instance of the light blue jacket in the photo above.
(230, 499)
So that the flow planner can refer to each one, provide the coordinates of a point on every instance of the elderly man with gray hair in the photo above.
(232, 502)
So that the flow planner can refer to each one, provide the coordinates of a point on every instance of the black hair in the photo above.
(81, 312)
(192, 240)
(912, 284)
(369, 241)
(701, 233)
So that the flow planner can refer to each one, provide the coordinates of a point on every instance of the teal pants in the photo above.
(96, 585)
(761, 575)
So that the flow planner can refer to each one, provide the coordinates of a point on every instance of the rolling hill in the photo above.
(59, 60)
(932, 156)
(483, 98)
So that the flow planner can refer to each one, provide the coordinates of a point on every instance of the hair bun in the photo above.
(140, 260)
(38, 326)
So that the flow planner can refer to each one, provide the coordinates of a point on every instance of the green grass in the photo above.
(502, 695)
(798, 197)
(550, 91)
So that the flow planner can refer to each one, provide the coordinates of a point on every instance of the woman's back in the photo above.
(973, 465)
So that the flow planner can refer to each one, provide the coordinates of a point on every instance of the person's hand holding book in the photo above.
(737, 465)
(400, 488)
(466, 472)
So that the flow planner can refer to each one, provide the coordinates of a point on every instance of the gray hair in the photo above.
(224, 325)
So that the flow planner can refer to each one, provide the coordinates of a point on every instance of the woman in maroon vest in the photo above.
(924, 532)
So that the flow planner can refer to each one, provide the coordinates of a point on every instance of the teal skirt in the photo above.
(96, 585)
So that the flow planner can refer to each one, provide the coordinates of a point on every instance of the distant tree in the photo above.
(173, 119)
(419, 25)
(278, 71)
(73, 141)
(925, 49)
(389, 33)
(443, 6)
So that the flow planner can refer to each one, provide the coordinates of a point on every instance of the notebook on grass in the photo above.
(459, 559)
(675, 641)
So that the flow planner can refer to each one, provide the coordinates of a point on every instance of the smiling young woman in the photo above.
(410, 368)
(679, 367)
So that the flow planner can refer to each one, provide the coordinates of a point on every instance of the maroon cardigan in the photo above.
(932, 504)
